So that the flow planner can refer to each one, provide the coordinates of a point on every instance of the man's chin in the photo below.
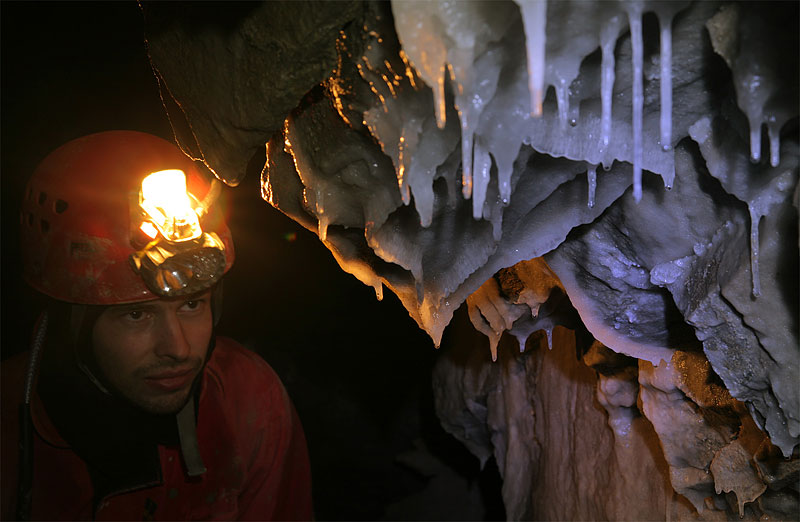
(164, 404)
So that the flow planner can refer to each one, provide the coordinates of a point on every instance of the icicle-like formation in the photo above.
(402, 180)
(562, 95)
(383, 120)
(483, 165)
(745, 35)
(522, 339)
(425, 50)
(774, 144)
(467, 115)
(472, 94)
(635, 21)
(665, 21)
(565, 50)
(591, 175)
(726, 161)
(534, 19)
(401, 118)
(755, 140)
(475, 85)
(303, 169)
(608, 39)
(493, 350)
(503, 135)
(462, 33)
(755, 219)
(322, 227)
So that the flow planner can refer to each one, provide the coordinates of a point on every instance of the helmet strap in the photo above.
(89, 375)
(80, 336)
(187, 433)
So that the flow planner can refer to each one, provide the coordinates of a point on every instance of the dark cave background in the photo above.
(358, 370)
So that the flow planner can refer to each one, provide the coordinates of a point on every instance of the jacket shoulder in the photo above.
(237, 371)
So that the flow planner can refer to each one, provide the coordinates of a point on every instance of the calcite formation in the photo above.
(623, 227)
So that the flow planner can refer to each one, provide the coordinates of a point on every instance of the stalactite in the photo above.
(666, 80)
(534, 18)
(635, 21)
(608, 39)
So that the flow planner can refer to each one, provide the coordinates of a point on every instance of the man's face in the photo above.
(151, 352)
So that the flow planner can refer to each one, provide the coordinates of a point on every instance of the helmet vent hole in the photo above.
(42, 197)
(45, 225)
(80, 249)
(60, 206)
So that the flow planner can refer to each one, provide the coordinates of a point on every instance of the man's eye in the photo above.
(135, 315)
(194, 304)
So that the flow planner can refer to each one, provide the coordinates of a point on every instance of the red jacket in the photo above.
(250, 440)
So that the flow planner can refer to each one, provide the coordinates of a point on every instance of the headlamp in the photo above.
(171, 209)
(180, 258)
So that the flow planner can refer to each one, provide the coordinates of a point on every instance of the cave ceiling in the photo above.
(646, 151)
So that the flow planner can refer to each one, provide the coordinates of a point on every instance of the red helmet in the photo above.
(81, 217)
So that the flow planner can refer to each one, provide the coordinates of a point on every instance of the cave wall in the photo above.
(647, 202)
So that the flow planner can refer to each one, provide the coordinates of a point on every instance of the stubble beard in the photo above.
(155, 402)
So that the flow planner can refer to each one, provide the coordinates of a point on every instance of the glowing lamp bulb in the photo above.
(169, 206)
(149, 229)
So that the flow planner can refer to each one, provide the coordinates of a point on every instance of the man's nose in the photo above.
(172, 341)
